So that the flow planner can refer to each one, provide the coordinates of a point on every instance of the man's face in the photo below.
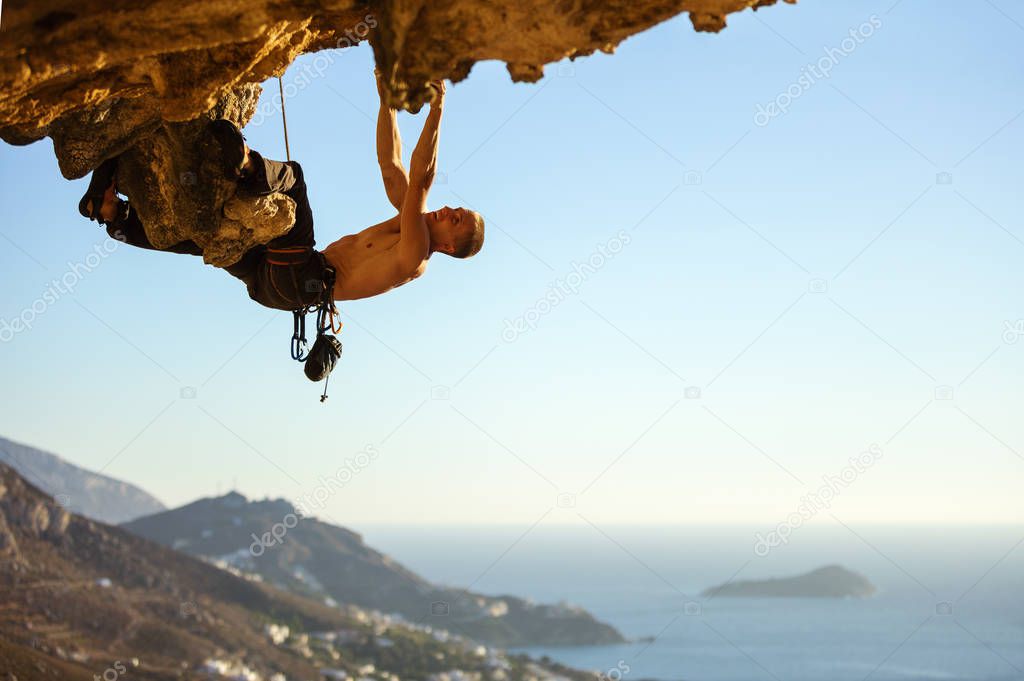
(452, 224)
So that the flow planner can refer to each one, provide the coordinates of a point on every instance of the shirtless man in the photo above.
(288, 273)
(396, 251)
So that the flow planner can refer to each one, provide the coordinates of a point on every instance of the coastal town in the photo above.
(388, 647)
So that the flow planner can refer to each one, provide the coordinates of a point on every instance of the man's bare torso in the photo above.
(394, 252)
(355, 255)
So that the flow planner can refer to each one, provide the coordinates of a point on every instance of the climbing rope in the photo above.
(284, 119)
(326, 350)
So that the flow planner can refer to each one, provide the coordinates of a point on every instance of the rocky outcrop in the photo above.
(831, 581)
(24, 512)
(109, 77)
(174, 180)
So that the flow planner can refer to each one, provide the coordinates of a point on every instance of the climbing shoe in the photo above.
(232, 146)
(101, 181)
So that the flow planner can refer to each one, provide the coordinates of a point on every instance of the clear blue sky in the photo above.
(809, 276)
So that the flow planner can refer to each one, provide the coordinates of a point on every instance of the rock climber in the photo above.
(288, 272)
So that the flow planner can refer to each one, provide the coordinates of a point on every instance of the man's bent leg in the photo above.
(122, 221)
(287, 178)
(269, 176)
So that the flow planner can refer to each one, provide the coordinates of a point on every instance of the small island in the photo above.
(831, 581)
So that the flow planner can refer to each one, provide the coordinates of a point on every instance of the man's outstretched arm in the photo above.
(389, 151)
(414, 240)
(377, 275)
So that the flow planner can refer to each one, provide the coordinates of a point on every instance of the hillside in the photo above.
(323, 560)
(79, 599)
(80, 491)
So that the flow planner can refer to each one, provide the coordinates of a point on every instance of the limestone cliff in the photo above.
(109, 77)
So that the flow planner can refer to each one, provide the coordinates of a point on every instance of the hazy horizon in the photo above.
(468, 525)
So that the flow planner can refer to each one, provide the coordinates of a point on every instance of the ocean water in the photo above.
(950, 605)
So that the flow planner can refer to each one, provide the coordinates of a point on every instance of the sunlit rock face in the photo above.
(109, 77)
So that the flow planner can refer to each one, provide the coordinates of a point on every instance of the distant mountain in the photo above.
(80, 491)
(309, 556)
(831, 581)
(81, 600)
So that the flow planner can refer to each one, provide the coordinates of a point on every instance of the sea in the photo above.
(949, 606)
